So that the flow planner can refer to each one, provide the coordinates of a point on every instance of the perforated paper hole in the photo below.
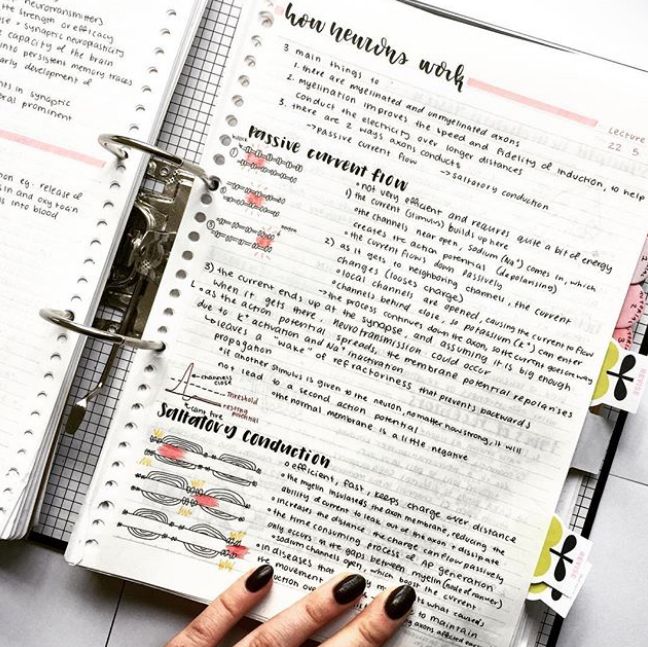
(152, 73)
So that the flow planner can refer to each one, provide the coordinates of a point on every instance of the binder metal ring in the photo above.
(118, 145)
(65, 319)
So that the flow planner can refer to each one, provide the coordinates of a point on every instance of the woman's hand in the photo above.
(371, 628)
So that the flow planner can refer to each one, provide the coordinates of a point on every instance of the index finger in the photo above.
(211, 626)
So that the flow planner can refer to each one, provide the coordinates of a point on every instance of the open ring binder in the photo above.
(117, 145)
(163, 216)
(65, 319)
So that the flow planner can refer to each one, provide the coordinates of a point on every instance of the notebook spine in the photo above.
(110, 474)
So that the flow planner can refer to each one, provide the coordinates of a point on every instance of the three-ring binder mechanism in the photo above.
(141, 256)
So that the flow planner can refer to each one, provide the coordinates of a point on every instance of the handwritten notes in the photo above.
(384, 333)
(69, 71)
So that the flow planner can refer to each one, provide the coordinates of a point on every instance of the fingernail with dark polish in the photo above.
(259, 578)
(349, 589)
(399, 602)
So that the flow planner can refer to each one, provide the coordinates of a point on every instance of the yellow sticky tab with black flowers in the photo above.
(562, 559)
(555, 600)
(622, 379)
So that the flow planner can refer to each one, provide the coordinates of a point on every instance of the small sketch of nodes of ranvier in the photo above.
(260, 240)
(168, 530)
(189, 455)
(187, 388)
(264, 241)
(167, 489)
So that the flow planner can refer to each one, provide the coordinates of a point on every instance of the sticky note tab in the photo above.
(555, 600)
(641, 271)
(633, 307)
(562, 559)
(634, 304)
(622, 379)
(624, 336)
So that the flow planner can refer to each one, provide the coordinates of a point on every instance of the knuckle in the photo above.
(201, 632)
(370, 634)
(226, 607)
(266, 637)
(317, 612)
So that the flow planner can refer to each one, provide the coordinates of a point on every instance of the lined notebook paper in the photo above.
(383, 334)
(70, 72)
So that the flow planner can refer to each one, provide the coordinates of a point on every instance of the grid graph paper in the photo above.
(184, 133)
